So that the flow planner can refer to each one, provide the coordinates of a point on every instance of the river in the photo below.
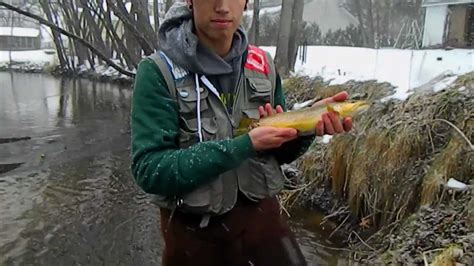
(66, 193)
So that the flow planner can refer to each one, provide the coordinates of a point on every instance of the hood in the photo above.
(181, 45)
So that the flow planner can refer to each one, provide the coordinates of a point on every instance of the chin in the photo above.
(221, 34)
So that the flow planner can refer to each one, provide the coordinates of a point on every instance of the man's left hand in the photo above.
(331, 124)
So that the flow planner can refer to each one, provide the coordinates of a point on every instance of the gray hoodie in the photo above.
(181, 45)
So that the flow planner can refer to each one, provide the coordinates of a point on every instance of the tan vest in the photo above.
(257, 177)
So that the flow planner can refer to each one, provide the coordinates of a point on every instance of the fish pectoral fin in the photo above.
(245, 125)
(331, 109)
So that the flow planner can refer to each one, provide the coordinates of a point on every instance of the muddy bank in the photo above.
(395, 164)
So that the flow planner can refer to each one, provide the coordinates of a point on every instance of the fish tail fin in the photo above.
(244, 126)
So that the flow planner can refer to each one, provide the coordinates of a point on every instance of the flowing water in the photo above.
(66, 193)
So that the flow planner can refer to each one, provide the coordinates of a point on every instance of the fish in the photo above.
(303, 120)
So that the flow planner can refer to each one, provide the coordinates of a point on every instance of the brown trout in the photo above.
(303, 120)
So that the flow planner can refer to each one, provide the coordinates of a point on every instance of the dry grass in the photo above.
(447, 257)
(302, 88)
(401, 154)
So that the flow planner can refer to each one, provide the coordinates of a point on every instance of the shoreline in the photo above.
(78, 73)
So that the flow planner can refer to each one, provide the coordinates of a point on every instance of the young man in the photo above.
(216, 190)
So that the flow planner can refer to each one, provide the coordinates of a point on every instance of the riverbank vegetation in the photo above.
(388, 181)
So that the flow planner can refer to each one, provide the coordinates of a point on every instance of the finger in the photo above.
(336, 122)
(320, 128)
(261, 111)
(347, 124)
(279, 109)
(328, 124)
(340, 97)
(269, 109)
(286, 132)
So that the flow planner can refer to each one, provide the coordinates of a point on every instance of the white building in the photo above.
(328, 14)
(448, 23)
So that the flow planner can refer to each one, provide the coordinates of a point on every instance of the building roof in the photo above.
(19, 32)
(445, 2)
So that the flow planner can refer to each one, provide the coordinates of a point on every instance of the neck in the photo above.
(220, 47)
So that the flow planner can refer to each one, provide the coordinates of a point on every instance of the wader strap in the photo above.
(166, 72)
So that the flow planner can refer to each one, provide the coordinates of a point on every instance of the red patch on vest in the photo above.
(257, 60)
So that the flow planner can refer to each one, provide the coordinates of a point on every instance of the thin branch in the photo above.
(72, 36)
(363, 242)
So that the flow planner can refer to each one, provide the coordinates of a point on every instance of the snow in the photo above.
(445, 83)
(33, 56)
(404, 69)
(326, 139)
(456, 185)
(19, 32)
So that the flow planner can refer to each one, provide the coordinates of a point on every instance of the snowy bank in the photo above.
(41, 57)
(405, 69)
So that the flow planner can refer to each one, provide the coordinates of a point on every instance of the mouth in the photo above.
(221, 23)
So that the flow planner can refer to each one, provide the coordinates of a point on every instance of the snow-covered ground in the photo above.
(405, 69)
(33, 57)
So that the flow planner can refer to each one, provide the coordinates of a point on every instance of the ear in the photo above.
(189, 2)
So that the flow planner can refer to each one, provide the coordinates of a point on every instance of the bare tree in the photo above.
(255, 28)
(295, 32)
(56, 34)
(281, 57)
(156, 16)
(59, 30)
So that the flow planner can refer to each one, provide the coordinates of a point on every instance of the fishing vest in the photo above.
(257, 177)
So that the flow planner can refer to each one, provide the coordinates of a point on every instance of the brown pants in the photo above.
(250, 234)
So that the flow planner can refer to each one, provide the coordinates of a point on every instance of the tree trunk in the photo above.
(56, 34)
(94, 29)
(107, 20)
(143, 21)
(156, 16)
(360, 14)
(371, 35)
(281, 57)
(135, 36)
(295, 32)
(255, 28)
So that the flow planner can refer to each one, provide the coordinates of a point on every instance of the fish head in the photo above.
(348, 109)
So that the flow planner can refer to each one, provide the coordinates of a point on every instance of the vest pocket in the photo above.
(261, 177)
(210, 128)
(187, 99)
(189, 135)
(197, 201)
(260, 90)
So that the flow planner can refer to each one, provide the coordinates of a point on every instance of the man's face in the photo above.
(217, 19)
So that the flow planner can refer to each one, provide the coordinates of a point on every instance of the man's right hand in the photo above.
(265, 138)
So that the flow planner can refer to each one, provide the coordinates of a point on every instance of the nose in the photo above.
(222, 6)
